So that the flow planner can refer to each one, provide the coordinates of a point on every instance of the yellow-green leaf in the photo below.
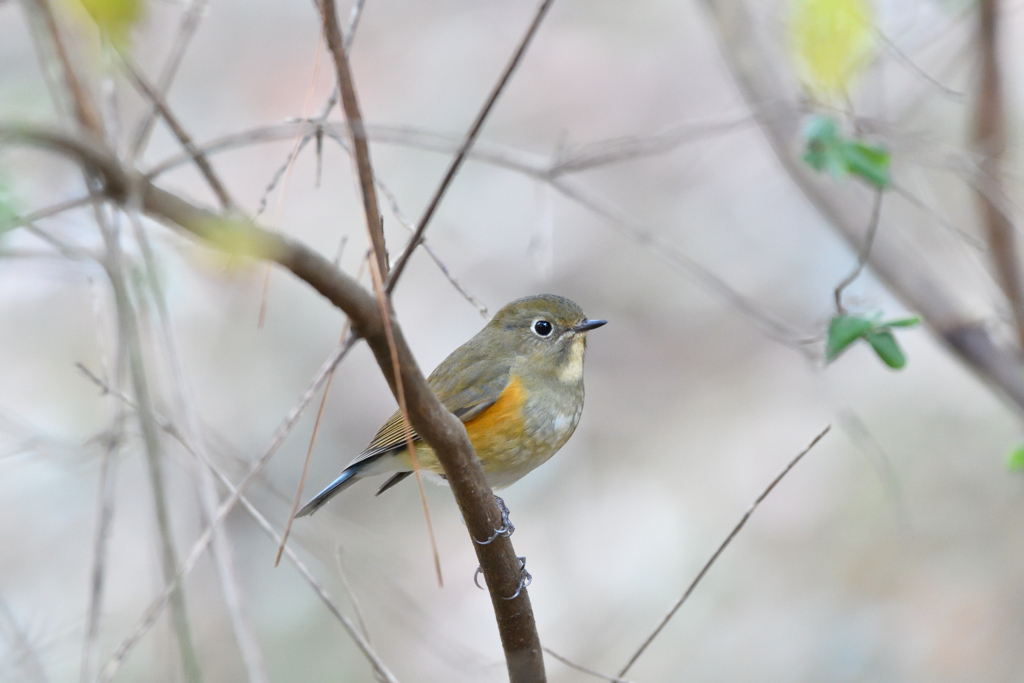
(115, 18)
(831, 43)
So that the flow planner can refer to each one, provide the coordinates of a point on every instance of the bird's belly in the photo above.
(512, 437)
(518, 446)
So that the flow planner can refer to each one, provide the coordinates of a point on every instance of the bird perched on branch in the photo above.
(517, 386)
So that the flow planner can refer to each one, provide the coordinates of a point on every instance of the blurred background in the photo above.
(893, 552)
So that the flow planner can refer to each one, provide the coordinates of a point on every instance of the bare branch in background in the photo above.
(990, 144)
(203, 458)
(282, 432)
(725, 544)
(47, 212)
(25, 655)
(129, 334)
(467, 143)
(223, 553)
(84, 109)
(188, 27)
(202, 163)
(864, 254)
(550, 171)
(104, 504)
(905, 271)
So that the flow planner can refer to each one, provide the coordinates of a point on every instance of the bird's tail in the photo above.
(347, 478)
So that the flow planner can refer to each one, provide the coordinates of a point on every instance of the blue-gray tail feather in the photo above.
(347, 478)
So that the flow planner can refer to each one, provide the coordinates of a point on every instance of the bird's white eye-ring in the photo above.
(542, 328)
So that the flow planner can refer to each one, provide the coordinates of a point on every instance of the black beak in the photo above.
(589, 325)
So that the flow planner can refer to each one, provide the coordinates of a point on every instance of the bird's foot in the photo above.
(506, 529)
(525, 578)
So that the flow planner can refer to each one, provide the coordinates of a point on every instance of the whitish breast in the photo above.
(572, 370)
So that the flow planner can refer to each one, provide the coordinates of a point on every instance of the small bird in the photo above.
(517, 386)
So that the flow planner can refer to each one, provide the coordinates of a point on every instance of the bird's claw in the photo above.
(525, 578)
(506, 529)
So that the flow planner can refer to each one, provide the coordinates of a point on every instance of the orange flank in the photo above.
(492, 430)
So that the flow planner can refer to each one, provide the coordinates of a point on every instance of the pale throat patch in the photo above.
(572, 370)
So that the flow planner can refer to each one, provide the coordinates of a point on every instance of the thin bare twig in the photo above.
(155, 607)
(467, 143)
(201, 162)
(235, 491)
(728, 539)
(104, 506)
(579, 667)
(46, 212)
(362, 642)
(84, 110)
(343, 575)
(325, 111)
(188, 27)
(287, 170)
(864, 254)
(27, 657)
(129, 334)
(904, 59)
(392, 201)
(223, 555)
(309, 455)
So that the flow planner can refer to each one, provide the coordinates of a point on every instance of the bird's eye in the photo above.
(542, 328)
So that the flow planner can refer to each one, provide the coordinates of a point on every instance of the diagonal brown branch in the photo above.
(375, 228)
(442, 430)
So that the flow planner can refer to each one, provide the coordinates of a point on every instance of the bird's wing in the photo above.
(467, 382)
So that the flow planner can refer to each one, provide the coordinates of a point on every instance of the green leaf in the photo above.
(843, 330)
(827, 150)
(1015, 460)
(902, 322)
(887, 348)
(868, 163)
